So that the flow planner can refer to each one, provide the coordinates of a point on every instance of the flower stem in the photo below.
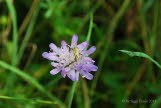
(71, 95)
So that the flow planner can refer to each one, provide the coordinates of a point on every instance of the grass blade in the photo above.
(27, 35)
(12, 11)
(107, 42)
(15, 31)
(32, 81)
(28, 100)
(90, 28)
(140, 54)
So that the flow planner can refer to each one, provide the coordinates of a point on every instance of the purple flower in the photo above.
(72, 60)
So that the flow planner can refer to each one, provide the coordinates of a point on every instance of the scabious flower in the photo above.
(71, 60)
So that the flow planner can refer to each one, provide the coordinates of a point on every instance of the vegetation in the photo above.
(115, 27)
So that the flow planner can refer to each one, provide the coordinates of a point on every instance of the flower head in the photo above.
(71, 60)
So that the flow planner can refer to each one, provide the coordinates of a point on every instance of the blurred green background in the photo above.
(27, 27)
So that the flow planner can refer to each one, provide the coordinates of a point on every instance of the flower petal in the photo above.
(74, 41)
(88, 60)
(90, 67)
(73, 75)
(86, 75)
(63, 43)
(53, 47)
(54, 71)
(79, 67)
(63, 74)
(45, 54)
(54, 58)
(64, 71)
(83, 45)
(49, 56)
(76, 76)
(54, 64)
(91, 50)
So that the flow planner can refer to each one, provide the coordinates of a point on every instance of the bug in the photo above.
(76, 53)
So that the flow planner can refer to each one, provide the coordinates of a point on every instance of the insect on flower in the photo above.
(72, 60)
(76, 53)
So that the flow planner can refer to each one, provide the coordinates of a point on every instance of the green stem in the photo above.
(90, 27)
(12, 11)
(87, 39)
(27, 35)
(32, 81)
(16, 59)
(15, 33)
(28, 100)
(72, 94)
(108, 41)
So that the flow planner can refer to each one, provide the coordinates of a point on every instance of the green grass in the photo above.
(111, 26)
(140, 54)
(31, 80)
(10, 83)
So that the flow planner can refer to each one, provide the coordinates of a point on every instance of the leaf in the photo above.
(140, 54)
(27, 99)
(15, 30)
(32, 81)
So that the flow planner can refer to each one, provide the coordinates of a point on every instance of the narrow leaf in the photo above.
(32, 81)
(140, 54)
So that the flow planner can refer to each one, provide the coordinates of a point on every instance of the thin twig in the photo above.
(33, 51)
(28, 17)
